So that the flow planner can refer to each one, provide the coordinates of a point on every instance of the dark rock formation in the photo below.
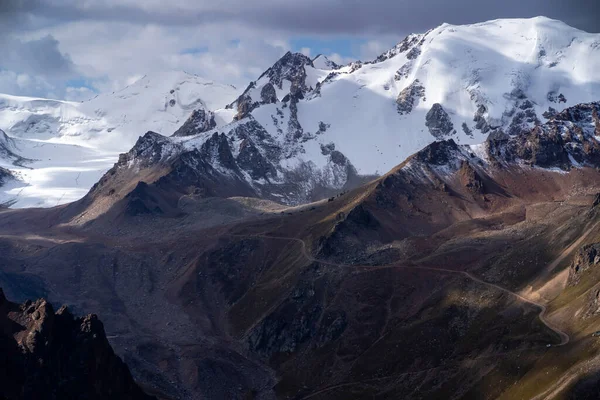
(150, 149)
(216, 151)
(290, 67)
(480, 120)
(250, 159)
(8, 148)
(523, 117)
(438, 153)
(268, 94)
(200, 121)
(470, 179)
(245, 105)
(587, 257)
(438, 121)
(408, 98)
(5, 176)
(567, 139)
(413, 53)
(550, 113)
(411, 42)
(48, 355)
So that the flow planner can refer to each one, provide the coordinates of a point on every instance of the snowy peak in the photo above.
(178, 88)
(113, 121)
(459, 83)
(68, 146)
(288, 67)
(287, 78)
(410, 46)
(324, 63)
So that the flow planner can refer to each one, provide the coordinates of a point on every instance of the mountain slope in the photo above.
(113, 121)
(65, 147)
(459, 82)
(448, 277)
(308, 128)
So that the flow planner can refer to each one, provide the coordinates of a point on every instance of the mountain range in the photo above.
(423, 225)
(308, 128)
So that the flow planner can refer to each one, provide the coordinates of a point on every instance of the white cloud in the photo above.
(374, 48)
(78, 93)
(305, 51)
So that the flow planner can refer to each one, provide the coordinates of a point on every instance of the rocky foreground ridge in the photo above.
(55, 355)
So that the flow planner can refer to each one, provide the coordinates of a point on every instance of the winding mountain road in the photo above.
(564, 337)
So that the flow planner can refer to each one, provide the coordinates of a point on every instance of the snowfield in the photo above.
(459, 82)
(71, 145)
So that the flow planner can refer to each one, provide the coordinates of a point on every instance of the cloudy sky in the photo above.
(73, 49)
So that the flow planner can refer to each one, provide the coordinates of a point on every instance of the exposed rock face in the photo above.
(245, 105)
(8, 150)
(567, 140)
(200, 121)
(409, 97)
(50, 355)
(470, 178)
(587, 257)
(585, 263)
(439, 122)
(411, 42)
(523, 116)
(150, 149)
(268, 94)
(250, 159)
(291, 68)
(5, 176)
(480, 119)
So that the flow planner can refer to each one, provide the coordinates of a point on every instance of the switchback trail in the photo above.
(564, 337)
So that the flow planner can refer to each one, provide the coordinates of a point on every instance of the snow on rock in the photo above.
(453, 82)
(316, 126)
(59, 149)
(115, 120)
(470, 80)
(324, 63)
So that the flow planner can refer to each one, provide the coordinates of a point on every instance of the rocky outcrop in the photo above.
(585, 262)
(523, 117)
(567, 140)
(5, 176)
(54, 355)
(409, 97)
(587, 258)
(268, 94)
(245, 106)
(439, 122)
(150, 149)
(410, 44)
(290, 68)
(480, 119)
(470, 178)
(200, 121)
(8, 150)
(251, 160)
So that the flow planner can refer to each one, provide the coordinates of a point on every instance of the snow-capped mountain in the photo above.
(302, 132)
(307, 128)
(115, 120)
(66, 147)
(457, 82)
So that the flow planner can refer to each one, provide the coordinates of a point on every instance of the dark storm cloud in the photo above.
(308, 16)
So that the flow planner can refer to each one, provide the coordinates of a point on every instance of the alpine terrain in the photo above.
(425, 225)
